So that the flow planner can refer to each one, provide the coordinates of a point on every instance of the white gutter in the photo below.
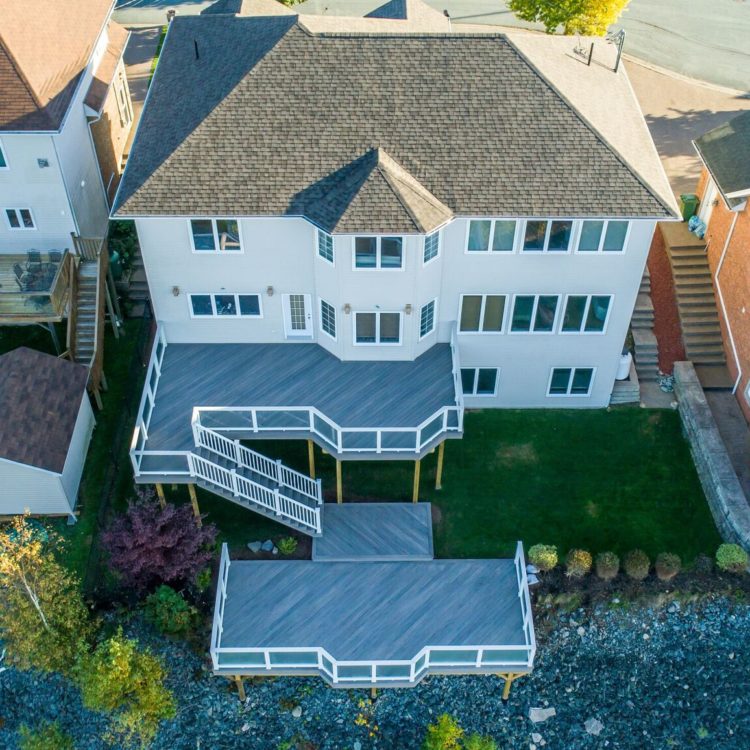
(723, 306)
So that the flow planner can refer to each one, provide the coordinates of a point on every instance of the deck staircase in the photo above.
(231, 470)
(84, 342)
(696, 305)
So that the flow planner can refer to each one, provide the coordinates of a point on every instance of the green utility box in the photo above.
(689, 205)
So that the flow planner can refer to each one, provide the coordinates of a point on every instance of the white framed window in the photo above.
(215, 236)
(534, 313)
(479, 381)
(431, 247)
(3, 158)
(19, 218)
(325, 246)
(481, 313)
(603, 236)
(328, 319)
(381, 328)
(586, 313)
(570, 381)
(384, 253)
(491, 236)
(547, 235)
(225, 305)
(427, 319)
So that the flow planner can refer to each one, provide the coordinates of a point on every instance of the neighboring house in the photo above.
(353, 229)
(65, 114)
(46, 423)
(724, 192)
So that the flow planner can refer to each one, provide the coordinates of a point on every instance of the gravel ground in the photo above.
(674, 677)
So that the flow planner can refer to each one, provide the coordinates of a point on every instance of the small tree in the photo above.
(444, 734)
(119, 679)
(169, 612)
(149, 545)
(478, 742)
(43, 618)
(587, 17)
(47, 736)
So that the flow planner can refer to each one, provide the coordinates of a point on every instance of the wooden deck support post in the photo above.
(160, 495)
(311, 458)
(415, 489)
(97, 398)
(373, 693)
(509, 678)
(240, 688)
(439, 474)
(194, 503)
(55, 339)
(339, 484)
(111, 310)
(103, 382)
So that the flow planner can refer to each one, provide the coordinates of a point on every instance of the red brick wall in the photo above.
(734, 281)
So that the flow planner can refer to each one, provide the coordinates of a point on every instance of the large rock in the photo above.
(537, 715)
(267, 546)
(254, 546)
(593, 726)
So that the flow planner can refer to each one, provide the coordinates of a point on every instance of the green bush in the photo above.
(169, 612)
(731, 558)
(544, 556)
(287, 545)
(577, 563)
(444, 734)
(636, 564)
(47, 736)
(667, 566)
(203, 580)
(477, 742)
(607, 565)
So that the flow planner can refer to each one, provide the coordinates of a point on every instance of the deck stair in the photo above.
(231, 470)
(86, 312)
(696, 304)
(646, 351)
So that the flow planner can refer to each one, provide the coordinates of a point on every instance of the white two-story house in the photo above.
(352, 235)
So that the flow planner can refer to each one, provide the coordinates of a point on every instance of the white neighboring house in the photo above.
(45, 428)
(65, 114)
(354, 248)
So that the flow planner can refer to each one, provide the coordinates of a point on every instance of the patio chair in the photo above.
(33, 261)
(55, 256)
(19, 273)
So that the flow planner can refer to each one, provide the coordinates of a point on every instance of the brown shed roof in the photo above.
(40, 396)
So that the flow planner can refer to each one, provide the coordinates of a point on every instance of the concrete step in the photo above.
(714, 377)
(703, 338)
(693, 283)
(677, 236)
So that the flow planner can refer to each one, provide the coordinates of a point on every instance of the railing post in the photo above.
(238, 453)
(276, 502)
(319, 492)
(254, 417)
(235, 486)
(196, 433)
(318, 526)
(278, 472)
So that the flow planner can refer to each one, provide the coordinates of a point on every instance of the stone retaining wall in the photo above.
(727, 501)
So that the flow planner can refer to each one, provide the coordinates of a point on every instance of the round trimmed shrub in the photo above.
(607, 565)
(543, 556)
(667, 566)
(636, 564)
(577, 563)
(731, 558)
(169, 612)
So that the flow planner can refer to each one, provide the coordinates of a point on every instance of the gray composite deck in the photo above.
(352, 394)
(374, 610)
(375, 531)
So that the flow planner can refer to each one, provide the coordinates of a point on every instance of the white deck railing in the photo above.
(244, 489)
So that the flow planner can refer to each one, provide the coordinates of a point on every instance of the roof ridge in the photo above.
(382, 169)
(589, 125)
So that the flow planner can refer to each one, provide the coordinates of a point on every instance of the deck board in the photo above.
(373, 610)
(375, 531)
(353, 394)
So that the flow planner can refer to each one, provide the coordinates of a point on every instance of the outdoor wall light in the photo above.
(347, 308)
(407, 309)
(176, 291)
(269, 291)
(42, 163)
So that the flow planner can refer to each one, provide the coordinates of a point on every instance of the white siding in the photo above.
(27, 488)
(79, 445)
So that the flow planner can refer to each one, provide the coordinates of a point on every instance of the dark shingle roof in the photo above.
(725, 150)
(40, 396)
(272, 120)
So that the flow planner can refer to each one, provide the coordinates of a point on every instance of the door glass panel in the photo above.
(502, 239)
(560, 379)
(559, 236)
(297, 317)
(545, 313)
(390, 325)
(391, 252)
(203, 234)
(494, 307)
(471, 304)
(365, 328)
(486, 381)
(365, 252)
(573, 317)
(581, 381)
(591, 233)
(229, 234)
(479, 236)
(533, 240)
(467, 380)
(614, 239)
(225, 304)
(522, 310)
(597, 316)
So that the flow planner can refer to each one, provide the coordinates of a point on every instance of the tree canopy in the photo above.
(586, 17)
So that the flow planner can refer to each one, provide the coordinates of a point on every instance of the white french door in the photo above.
(710, 194)
(297, 315)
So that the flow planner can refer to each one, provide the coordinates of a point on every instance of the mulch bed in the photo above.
(667, 327)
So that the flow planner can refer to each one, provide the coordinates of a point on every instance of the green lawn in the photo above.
(594, 479)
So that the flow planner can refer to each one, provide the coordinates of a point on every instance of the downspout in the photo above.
(723, 307)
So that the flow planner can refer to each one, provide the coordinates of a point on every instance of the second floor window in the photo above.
(491, 235)
(377, 328)
(19, 218)
(534, 313)
(3, 158)
(481, 313)
(547, 236)
(325, 246)
(603, 236)
(431, 247)
(586, 314)
(215, 235)
(225, 305)
(378, 252)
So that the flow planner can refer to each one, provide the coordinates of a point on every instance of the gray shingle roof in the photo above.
(40, 396)
(273, 120)
(725, 150)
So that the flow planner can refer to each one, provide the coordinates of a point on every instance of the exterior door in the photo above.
(706, 207)
(297, 315)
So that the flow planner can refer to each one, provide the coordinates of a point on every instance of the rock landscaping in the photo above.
(614, 675)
